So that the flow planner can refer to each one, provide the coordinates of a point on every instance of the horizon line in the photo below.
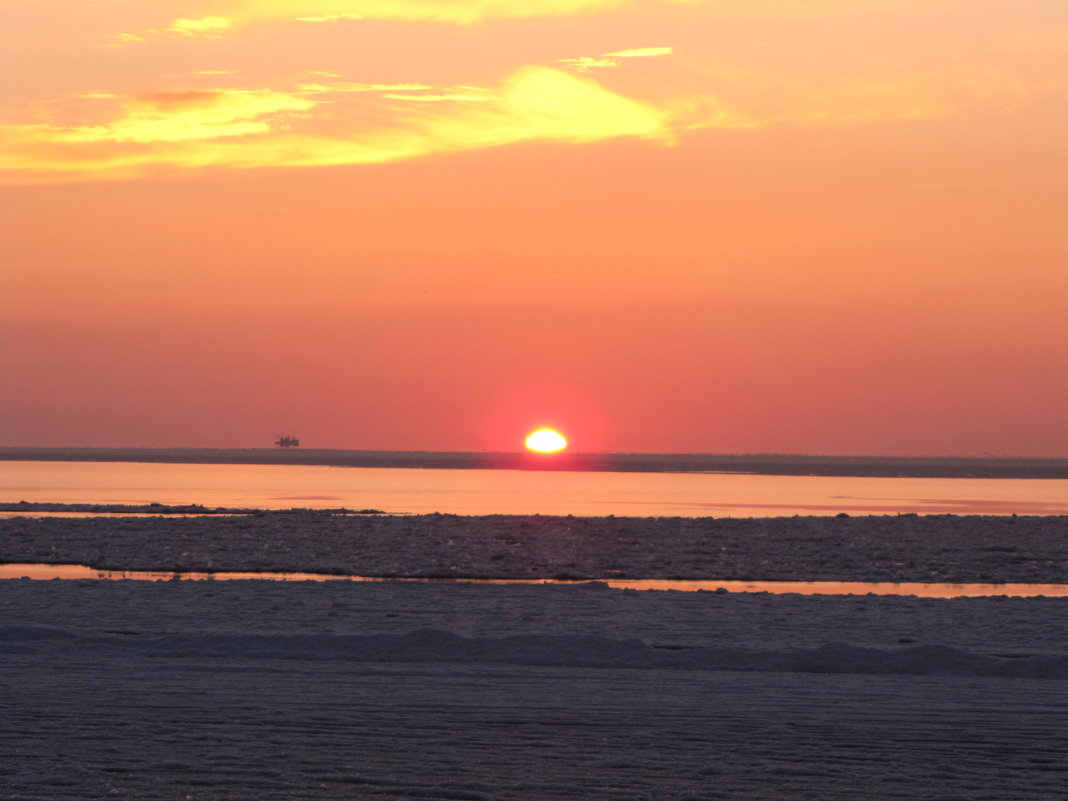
(519, 452)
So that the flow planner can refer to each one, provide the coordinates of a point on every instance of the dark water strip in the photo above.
(47, 572)
(762, 464)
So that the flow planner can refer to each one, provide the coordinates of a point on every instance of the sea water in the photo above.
(479, 492)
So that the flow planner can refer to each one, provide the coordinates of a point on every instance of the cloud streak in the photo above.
(451, 11)
(189, 116)
(640, 52)
(321, 118)
(244, 129)
(613, 59)
(230, 14)
(205, 26)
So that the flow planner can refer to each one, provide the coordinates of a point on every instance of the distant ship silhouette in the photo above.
(287, 442)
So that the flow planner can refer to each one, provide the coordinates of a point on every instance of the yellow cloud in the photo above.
(235, 13)
(587, 63)
(454, 93)
(436, 98)
(543, 103)
(608, 60)
(209, 26)
(329, 121)
(344, 87)
(640, 52)
(250, 128)
(330, 18)
(182, 116)
(455, 11)
(120, 39)
(229, 14)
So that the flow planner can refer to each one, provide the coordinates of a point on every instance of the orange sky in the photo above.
(810, 226)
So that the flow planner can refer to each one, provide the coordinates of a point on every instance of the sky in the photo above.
(695, 226)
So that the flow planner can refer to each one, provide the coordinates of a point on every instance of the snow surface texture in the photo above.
(884, 548)
(337, 690)
(261, 690)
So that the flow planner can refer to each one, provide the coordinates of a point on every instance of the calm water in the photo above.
(521, 492)
(45, 572)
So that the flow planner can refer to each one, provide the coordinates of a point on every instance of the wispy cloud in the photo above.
(205, 26)
(847, 87)
(343, 87)
(237, 13)
(330, 18)
(464, 97)
(242, 129)
(587, 63)
(613, 59)
(183, 27)
(640, 52)
(232, 14)
(454, 11)
(187, 116)
(328, 120)
(121, 39)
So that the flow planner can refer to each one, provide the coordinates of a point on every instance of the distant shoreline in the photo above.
(761, 464)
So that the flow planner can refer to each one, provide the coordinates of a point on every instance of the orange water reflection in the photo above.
(924, 590)
(7, 515)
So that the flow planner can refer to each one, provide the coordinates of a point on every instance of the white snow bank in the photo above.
(565, 650)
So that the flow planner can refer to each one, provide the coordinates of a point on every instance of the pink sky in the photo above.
(659, 225)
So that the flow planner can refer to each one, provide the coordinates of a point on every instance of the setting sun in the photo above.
(545, 440)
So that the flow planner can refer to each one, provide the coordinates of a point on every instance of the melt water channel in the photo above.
(47, 572)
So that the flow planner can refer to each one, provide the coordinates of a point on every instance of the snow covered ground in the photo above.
(261, 690)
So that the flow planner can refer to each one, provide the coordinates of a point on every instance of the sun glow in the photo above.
(545, 440)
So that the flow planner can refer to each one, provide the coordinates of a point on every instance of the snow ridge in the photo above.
(564, 650)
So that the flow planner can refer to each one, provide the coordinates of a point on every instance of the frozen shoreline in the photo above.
(941, 548)
(259, 690)
(742, 621)
(270, 691)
